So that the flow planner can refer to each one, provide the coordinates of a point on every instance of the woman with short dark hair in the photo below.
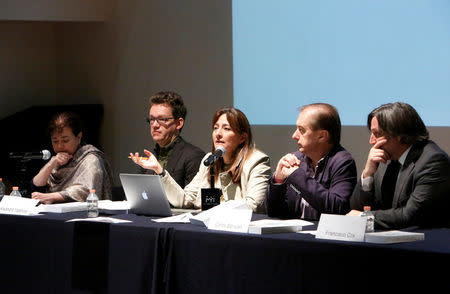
(75, 169)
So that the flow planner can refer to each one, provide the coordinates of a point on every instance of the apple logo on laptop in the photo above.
(144, 195)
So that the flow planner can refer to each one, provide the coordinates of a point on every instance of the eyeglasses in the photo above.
(161, 121)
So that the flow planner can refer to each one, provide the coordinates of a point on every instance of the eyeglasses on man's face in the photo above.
(161, 121)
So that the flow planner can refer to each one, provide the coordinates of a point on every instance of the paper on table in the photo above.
(62, 207)
(394, 236)
(113, 207)
(180, 218)
(203, 218)
(270, 226)
(104, 206)
(312, 232)
(100, 220)
(279, 222)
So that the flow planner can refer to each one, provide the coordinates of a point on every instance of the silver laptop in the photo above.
(145, 194)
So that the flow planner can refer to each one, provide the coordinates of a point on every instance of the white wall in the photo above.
(146, 46)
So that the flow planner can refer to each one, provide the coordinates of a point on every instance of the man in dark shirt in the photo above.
(320, 176)
(166, 119)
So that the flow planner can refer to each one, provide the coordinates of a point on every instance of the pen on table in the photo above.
(141, 157)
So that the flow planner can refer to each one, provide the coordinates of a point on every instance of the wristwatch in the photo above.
(163, 173)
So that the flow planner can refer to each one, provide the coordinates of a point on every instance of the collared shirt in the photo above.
(312, 174)
(367, 183)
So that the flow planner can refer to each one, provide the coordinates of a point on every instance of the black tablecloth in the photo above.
(192, 259)
(295, 263)
(36, 254)
(45, 254)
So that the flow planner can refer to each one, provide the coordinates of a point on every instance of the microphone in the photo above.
(220, 151)
(44, 155)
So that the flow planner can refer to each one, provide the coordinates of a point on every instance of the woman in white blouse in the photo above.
(242, 173)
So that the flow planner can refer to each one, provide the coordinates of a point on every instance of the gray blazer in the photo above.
(422, 191)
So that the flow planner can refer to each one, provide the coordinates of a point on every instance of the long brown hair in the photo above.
(240, 125)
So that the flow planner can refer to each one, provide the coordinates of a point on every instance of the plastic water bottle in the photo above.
(92, 204)
(15, 192)
(2, 189)
(370, 219)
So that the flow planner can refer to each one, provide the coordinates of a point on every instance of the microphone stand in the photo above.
(210, 196)
(22, 177)
(211, 174)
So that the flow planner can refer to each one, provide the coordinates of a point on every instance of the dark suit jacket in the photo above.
(328, 192)
(422, 192)
(184, 161)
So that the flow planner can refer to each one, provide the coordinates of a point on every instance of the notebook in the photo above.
(145, 194)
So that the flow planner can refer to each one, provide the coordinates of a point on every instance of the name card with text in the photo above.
(341, 227)
(231, 220)
(18, 205)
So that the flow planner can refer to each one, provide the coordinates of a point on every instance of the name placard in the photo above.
(18, 205)
(341, 227)
(231, 220)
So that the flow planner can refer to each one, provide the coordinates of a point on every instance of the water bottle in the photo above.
(2, 189)
(15, 192)
(92, 204)
(370, 219)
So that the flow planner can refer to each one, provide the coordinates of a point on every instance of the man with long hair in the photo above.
(406, 179)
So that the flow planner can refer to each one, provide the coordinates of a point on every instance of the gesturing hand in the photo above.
(286, 166)
(148, 163)
(376, 155)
